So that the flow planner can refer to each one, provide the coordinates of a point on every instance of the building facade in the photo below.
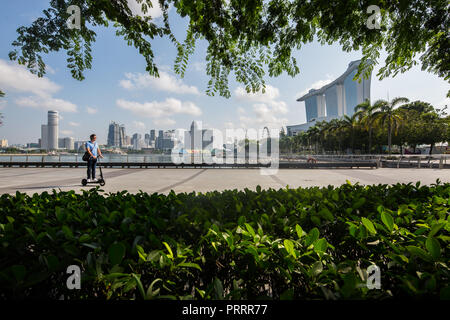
(49, 132)
(334, 100)
(117, 136)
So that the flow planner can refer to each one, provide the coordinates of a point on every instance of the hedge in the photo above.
(305, 243)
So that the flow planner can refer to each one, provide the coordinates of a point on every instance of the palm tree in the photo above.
(386, 114)
(365, 112)
(351, 123)
(313, 135)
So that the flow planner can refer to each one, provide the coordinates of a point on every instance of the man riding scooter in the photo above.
(94, 151)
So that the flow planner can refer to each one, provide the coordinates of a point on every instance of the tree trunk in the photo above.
(431, 148)
(370, 140)
(389, 137)
(353, 142)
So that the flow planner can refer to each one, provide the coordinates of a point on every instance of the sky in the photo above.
(118, 89)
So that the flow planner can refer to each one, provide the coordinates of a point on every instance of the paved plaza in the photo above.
(31, 180)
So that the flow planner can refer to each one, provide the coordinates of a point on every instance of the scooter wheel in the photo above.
(84, 182)
(102, 182)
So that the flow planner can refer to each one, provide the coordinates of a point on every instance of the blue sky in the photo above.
(117, 88)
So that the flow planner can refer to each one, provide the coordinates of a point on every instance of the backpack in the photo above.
(86, 156)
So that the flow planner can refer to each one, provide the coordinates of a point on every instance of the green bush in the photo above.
(305, 243)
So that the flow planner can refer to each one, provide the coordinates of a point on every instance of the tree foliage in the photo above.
(373, 126)
(248, 37)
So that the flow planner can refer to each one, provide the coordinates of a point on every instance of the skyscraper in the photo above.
(335, 99)
(152, 135)
(44, 137)
(116, 135)
(49, 132)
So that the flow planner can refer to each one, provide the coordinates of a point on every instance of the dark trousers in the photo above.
(92, 163)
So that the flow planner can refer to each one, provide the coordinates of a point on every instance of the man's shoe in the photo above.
(95, 180)
(89, 180)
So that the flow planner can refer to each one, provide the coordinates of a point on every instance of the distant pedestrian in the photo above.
(94, 151)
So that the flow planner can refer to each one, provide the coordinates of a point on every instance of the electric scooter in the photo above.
(100, 181)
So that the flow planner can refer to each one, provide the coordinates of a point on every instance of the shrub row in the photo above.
(305, 243)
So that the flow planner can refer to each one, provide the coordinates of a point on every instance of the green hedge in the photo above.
(305, 243)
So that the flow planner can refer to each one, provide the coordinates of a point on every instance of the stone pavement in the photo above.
(31, 180)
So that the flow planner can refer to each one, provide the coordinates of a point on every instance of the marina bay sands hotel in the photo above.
(334, 100)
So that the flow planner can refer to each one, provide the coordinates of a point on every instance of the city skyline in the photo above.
(117, 87)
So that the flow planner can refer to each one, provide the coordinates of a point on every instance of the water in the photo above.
(113, 158)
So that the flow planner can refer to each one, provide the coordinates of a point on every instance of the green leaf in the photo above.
(369, 225)
(289, 246)
(218, 288)
(168, 249)
(321, 245)
(435, 228)
(299, 231)
(139, 284)
(359, 203)
(326, 214)
(250, 229)
(189, 265)
(416, 251)
(317, 268)
(433, 247)
(67, 232)
(312, 236)
(116, 253)
(387, 220)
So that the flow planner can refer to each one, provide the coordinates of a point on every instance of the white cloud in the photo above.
(165, 82)
(264, 115)
(136, 9)
(267, 109)
(160, 109)
(270, 94)
(164, 122)
(66, 132)
(47, 103)
(74, 124)
(49, 69)
(17, 78)
(199, 66)
(316, 85)
(139, 125)
(91, 110)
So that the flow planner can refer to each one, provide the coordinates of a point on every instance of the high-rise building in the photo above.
(198, 138)
(152, 135)
(3, 143)
(79, 145)
(122, 136)
(334, 100)
(159, 139)
(44, 137)
(49, 132)
(137, 142)
(52, 126)
(69, 143)
(116, 135)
